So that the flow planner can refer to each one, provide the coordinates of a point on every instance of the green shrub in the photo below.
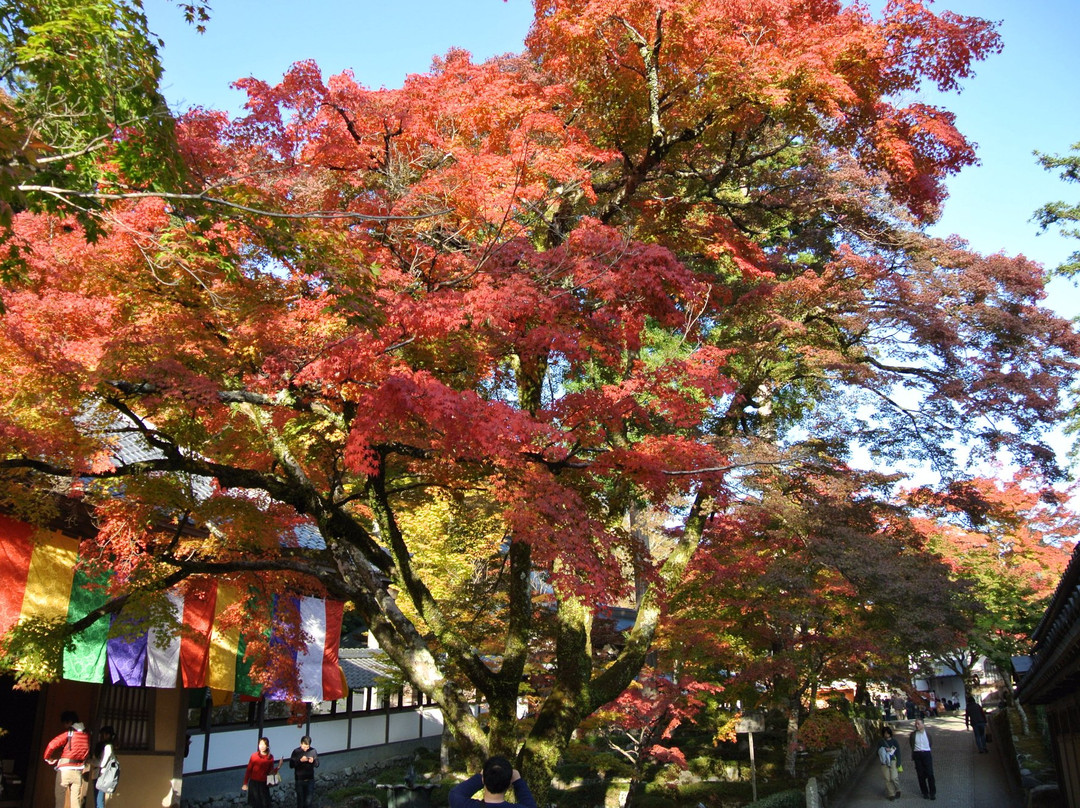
(589, 792)
(870, 711)
(692, 793)
(702, 766)
(793, 798)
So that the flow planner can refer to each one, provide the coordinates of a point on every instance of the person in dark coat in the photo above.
(497, 776)
(304, 760)
(975, 718)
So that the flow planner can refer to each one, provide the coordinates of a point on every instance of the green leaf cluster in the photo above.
(1063, 215)
(80, 106)
(32, 651)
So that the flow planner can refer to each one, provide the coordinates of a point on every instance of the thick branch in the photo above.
(419, 594)
(618, 675)
(67, 193)
(398, 637)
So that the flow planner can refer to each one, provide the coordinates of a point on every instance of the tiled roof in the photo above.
(130, 446)
(1055, 666)
(365, 667)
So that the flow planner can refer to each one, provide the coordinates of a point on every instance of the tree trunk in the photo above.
(648, 739)
(634, 792)
(861, 691)
(444, 750)
(1010, 701)
(792, 738)
(567, 703)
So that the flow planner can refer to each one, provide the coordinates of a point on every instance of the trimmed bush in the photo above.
(828, 729)
(793, 798)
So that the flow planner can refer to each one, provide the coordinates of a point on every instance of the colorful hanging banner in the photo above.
(48, 581)
(284, 678)
(163, 648)
(333, 677)
(85, 661)
(245, 683)
(16, 550)
(224, 643)
(310, 658)
(199, 602)
(126, 653)
(40, 579)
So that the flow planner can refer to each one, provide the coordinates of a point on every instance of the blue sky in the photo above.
(1023, 99)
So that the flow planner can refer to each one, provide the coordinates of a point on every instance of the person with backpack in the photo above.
(108, 767)
(69, 753)
(889, 757)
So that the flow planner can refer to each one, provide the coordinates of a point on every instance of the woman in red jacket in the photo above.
(260, 765)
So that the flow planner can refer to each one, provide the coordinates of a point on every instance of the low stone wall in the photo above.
(222, 789)
(1032, 773)
(849, 761)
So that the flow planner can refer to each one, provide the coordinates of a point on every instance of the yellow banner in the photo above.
(223, 643)
(48, 583)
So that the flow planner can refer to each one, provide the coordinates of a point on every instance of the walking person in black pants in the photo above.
(975, 717)
(304, 759)
(923, 759)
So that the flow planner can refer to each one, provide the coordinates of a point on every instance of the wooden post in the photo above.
(751, 723)
(753, 767)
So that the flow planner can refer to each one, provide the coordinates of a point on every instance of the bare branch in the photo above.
(65, 194)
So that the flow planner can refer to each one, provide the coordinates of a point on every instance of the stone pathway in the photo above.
(965, 779)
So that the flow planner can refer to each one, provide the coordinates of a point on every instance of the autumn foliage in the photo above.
(597, 324)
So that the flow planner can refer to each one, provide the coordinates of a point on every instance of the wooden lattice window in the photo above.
(130, 712)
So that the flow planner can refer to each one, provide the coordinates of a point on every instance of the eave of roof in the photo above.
(1055, 668)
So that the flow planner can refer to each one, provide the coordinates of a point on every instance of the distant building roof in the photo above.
(131, 446)
(365, 667)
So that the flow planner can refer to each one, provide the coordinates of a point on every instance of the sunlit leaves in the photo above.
(82, 94)
(1009, 541)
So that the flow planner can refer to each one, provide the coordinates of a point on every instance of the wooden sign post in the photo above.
(751, 723)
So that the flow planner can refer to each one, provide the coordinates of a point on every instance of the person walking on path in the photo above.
(496, 777)
(889, 758)
(260, 766)
(975, 718)
(962, 779)
(922, 757)
(304, 761)
(68, 753)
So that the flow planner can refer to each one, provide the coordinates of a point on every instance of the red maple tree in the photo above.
(1007, 541)
(558, 291)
